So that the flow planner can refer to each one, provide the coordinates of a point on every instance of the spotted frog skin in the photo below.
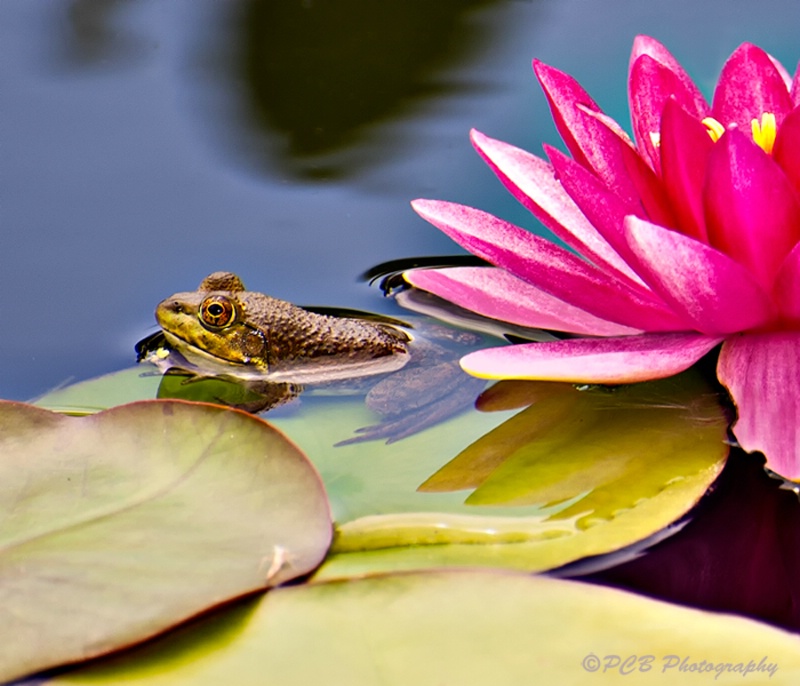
(221, 326)
(225, 330)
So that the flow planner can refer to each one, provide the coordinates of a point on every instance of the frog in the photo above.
(277, 349)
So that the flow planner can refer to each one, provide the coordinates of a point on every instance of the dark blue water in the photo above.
(144, 144)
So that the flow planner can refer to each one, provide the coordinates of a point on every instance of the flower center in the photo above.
(763, 131)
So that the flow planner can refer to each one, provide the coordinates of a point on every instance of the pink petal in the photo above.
(602, 208)
(532, 181)
(763, 377)
(750, 207)
(648, 186)
(785, 75)
(626, 359)
(497, 294)
(794, 91)
(590, 143)
(651, 84)
(787, 288)
(685, 146)
(547, 266)
(708, 288)
(645, 45)
(786, 151)
(749, 86)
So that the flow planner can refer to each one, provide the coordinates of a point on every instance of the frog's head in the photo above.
(209, 326)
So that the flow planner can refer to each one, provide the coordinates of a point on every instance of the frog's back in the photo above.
(295, 334)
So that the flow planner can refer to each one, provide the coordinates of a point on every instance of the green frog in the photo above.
(275, 349)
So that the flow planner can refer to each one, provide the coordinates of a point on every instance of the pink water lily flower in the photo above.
(685, 238)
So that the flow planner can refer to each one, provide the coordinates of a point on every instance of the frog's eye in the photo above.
(217, 311)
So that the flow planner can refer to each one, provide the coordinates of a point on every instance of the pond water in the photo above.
(146, 144)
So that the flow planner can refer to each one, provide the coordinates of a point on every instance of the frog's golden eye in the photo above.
(217, 311)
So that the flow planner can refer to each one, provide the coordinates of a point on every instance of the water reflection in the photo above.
(319, 72)
(95, 34)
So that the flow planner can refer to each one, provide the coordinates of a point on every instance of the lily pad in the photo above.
(455, 628)
(578, 473)
(527, 489)
(103, 392)
(119, 525)
(602, 446)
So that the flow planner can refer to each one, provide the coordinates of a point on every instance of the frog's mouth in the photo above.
(206, 363)
(313, 371)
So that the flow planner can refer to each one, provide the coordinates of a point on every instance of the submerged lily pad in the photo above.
(609, 448)
(456, 628)
(119, 525)
(578, 473)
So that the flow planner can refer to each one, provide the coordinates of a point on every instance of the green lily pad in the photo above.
(119, 525)
(604, 447)
(103, 392)
(579, 473)
(576, 473)
(456, 628)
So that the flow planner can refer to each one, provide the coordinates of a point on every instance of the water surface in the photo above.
(146, 144)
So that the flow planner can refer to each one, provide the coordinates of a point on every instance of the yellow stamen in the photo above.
(764, 131)
(655, 139)
(715, 129)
